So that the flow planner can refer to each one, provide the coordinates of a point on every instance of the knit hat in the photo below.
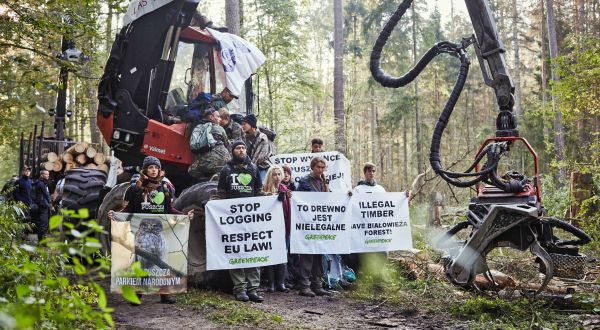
(151, 160)
(287, 169)
(251, 119)
(237, 143)
(209, 111)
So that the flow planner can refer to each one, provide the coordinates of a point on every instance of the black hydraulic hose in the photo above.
(583, 237)
(458, 227)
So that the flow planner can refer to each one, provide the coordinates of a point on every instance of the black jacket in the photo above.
(239, 180)
(42, 193)
(22, 190)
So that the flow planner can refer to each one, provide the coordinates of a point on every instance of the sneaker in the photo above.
(306, 292)
(322, 292)
(256, 298)
(241, 296)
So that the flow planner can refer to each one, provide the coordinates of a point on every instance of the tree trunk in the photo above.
(559, 137)
(544, 79)
(355, 160)
(232, 16)
(373, 125)
(338, 77)
(417, 112)
(405, 183)
(517, 75)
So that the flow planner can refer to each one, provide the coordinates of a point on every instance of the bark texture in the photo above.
(338, 77)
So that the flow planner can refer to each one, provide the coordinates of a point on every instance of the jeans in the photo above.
(245, 279)
(263, 175)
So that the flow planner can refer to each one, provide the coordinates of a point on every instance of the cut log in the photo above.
(99, 158)
(76, 149)
(66, 158)
(48, 166)
(58, 166)
(502, 281)
(90, 165)
(90, 152)
(86, 144)
(81, 159)
(71, 165)
(103, 167)
(49, 157)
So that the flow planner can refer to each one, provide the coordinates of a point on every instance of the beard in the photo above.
(238, 158)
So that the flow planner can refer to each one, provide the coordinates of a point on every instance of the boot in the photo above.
(306, 292)
(167, 299)
(271, 278)
(242, 296)
(280, 278)
(254, 297)
(322, 292)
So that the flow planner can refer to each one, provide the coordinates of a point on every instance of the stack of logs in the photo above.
(80, 154)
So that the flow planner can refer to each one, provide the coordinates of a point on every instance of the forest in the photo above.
(316, 82)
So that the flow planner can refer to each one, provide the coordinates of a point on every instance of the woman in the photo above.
(287, 178)
(273, 184)
(138, 195)
(311, 268)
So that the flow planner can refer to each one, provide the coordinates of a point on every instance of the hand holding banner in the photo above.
(320, 223)
(245, 232)
(338, 170)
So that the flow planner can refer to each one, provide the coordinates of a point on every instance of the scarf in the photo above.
(148, 184)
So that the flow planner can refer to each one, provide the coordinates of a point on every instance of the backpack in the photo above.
(194, 112)
(202, 140)
(269, 132)
(236, 117)
(34, 208)
(336, 274)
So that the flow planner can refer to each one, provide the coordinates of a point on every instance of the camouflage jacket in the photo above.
(217, 102)
(212, 162)
(260, 151)
(234, 131)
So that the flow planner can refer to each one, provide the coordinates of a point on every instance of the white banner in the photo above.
(380, 222)
(239, 59)
(138, 8)
(159, 242)
(320, 223)
(338, 170)
(245, 232)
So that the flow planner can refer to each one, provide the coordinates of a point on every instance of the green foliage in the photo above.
(555, 199)
(50, 286)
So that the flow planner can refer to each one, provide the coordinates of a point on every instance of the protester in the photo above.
(316, 145)
(234, 131)
(209, 163)
(287, 178)
(311, 268)
(258, 145)
(22, 190)
(245, 280)
(43, 200)
(273, 184)
(151, 180)
(10, 183)
(221, 100)
(57, 197)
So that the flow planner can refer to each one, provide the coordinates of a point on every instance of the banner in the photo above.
(320, 223)
(239, 58)
(159, 242)
(245, 232)
(380, 222)
(338, 170)
(138, 8)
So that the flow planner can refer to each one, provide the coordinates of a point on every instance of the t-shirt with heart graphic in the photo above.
(239, 182)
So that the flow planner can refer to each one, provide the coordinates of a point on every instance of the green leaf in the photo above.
(129, 294)
(75, 233)
(22, 290)
(51, 283)
(55, 221)
(63, 281)
(58, 317)
(29, 266)
(109, 320)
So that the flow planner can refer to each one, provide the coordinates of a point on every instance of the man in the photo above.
(10, 183)
(230, 186)
(316, 145)
(369, 185)
(21, 193)
(234, 131)
(43, 203)
(259, 149)
(211, 162)
(221, 100)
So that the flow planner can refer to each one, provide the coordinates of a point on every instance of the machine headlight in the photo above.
(116, 135)
(127, 137)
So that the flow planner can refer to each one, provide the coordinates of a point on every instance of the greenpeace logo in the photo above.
(248, 260)
(378, 240)
(309, 237)
(155, 149)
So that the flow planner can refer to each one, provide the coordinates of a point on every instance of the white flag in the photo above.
(239, 59)
(138, 8)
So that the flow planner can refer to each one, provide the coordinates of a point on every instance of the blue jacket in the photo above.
(22, 190)
(309, 183)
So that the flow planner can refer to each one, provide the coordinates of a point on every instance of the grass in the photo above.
(223, 310)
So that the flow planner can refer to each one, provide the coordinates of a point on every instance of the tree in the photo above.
(232, 16)
(338, 80)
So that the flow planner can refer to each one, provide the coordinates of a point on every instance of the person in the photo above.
(151, 182)
(43, 202)
(21, 193)
(316, 145)
(288, 181)
(259, 150)
(273, 184)
(245, 280)
(57, 197)
(221, 100)
(373, 261)
(10, 183)
(311, 268)
(234, 131)
(211, 162)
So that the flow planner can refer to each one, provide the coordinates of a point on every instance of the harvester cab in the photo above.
(507, 211)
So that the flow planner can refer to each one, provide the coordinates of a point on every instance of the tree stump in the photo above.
(437, 203)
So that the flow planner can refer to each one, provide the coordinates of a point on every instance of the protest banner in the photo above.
(320, 223)
(380, 222)
(159, 243)
(242, 233)
(338, 170)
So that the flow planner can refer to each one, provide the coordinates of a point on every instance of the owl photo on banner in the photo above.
(150, 238)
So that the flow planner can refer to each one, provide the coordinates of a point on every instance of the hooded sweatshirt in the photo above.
(22, 190)
(365, 187)
(239, 179)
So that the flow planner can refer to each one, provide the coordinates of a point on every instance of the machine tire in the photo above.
(192, 198)
(112, 201)
(82, 188)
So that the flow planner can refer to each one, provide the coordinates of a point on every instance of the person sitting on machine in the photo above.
(210, 144)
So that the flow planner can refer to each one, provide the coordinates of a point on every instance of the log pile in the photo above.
(80, 154)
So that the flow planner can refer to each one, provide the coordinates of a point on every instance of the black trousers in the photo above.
(43, 223)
